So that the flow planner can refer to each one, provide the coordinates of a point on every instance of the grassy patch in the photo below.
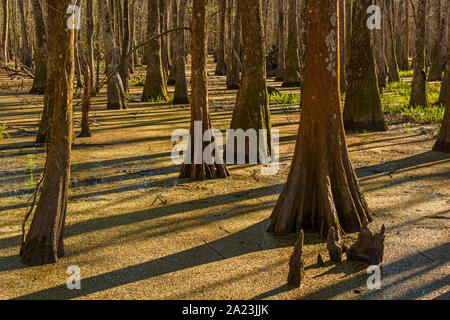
(284, 98)
(3, 131)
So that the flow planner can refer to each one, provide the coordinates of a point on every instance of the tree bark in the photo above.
(173, 38)
(391, 55)
(90, 39)
(281, 42)
(116, 92)
(199, 100)
(322, 190)
(418, 86)
(26, 51)
(233, 74)
(181, 93)
(124, 70)
(362, 109)
(40, 45)
(155, 88)
(252, 102)
(221, 66)
(435, 73)
(44, 241)
(292, 72)
(5, 29)
(405, 36)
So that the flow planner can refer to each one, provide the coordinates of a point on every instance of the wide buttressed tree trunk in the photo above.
(362, 109)
(44, 241)
(292, 72)
(199, 102)
(419, 84)
(180, 95)
(40, 45)
(221, 64)
(155, 88)
(436, 43)
(115, 90)
(322, 190)
(252, 102)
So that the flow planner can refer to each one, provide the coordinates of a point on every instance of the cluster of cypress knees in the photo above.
(368, 248)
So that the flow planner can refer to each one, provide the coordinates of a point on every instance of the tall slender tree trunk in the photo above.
(116, 92)
(378, 41)
(436, 41)
(155, 84)
(292, 72)
(199, 103)
(362, 109)
(40, 56)
(44, 241)
(281, 66)
(233, 78)
(90, 40)
(173, 38)
(405, 36)
(391, 55)
(124, 70)
(221, 65)
(419, 84)
(26, 50)
(322, 190)
(5, 30)
(252, 102)
(181, 93)
(342, 44)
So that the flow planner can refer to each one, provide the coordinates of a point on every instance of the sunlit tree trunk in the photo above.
(155, 85)
(5, 30)
(233, 75)
(44, 241)
(26, 50)
(281, 42)
(199, 100)
(322, 190)
(221, 66)
(391, 55)
(362, 109)
(40, 56)
(405, 36)
(181, 93)
(436, 44)
(292, 72)
(124, 70)
(173, 39)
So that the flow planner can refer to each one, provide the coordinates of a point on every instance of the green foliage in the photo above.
(284, 98)
(3, 131)
(395, 101)
(30, 182)
(138, 81)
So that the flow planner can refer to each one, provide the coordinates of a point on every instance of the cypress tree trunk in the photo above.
(302, 41)
(26, 50)
(418, 86)
(199, 100)
(40, 45)
(5, 29)
(44, 241)
(390, 44)
(181, 93)
(362, 100)
(342, 44)
(173, 39)
(124, 69)
(281, 42)
(221, 66)
(155, 85)
(405, 36)
(252, 102)
(292, 74)
(90, 40)
(233, 75)
(116, 92)
(378, 40)
(435, 28)
(322, 190)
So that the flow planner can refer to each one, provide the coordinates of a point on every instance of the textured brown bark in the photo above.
(155, 84)
(292, 72)
(181, 93)
(90, 40)
(342, 43)
(26, 50)
(115, 90)
(252, 102)
(322, 190)
(233, 74)
(435, 73)
(44, 241)
(5, 30)
(391, 55)
(124, 70)
(368, 248)
(221, 65)
(334, 249)
(86, 105)
(445, 85)
(281, 42)
(362, 109)
(405, 36)
(378, 40)
(199, 98)
(418, 86)
(296, 263)
(173, 39)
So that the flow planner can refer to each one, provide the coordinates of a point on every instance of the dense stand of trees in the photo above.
(321, 47)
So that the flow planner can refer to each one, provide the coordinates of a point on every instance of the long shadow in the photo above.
(401, 164)
(230, 246)
(138, 216)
